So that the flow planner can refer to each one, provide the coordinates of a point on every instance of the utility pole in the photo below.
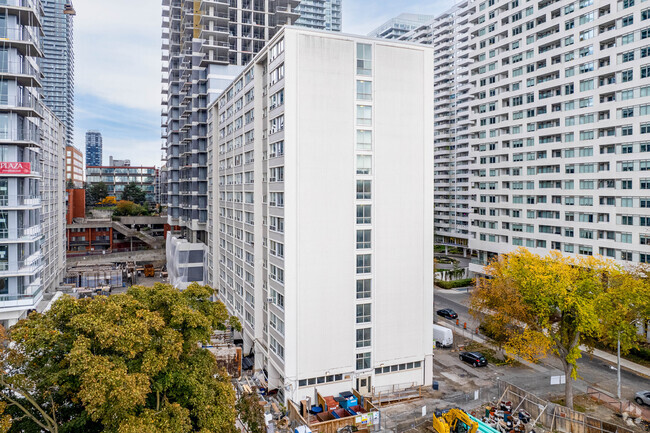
(618, 366)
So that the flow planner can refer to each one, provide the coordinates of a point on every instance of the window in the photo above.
(364, 115)
(363, 361)
(364, 164)
(363, 239)
(627, 75)
(645, 71)
(627, 57)
(364, 139)
(276, 347)
(363, 289)
(363, 189)
(363, 337)
(364, 90)
(364, 59)
(586, 85)
(363, 214)
(363, 263)
(363, 313)
(628, 20)
(586, 34)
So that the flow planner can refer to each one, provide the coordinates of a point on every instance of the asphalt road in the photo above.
(593, 371)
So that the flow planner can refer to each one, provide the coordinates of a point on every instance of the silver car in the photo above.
(642, 397)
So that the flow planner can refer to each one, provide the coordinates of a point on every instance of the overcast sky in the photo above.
(117, 67)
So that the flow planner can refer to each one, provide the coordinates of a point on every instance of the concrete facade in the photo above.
(552, 98)
(322, 211)
(74, 166)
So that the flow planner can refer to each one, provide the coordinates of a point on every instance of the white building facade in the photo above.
(559, 98)
(53, 199)
(32, 170)
(449, 35)
(323, 168)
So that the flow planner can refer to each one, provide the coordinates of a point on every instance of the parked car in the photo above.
(642, 397)
(447, 313)
(475, 359)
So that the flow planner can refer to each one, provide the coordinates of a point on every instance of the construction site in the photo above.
(509, 398)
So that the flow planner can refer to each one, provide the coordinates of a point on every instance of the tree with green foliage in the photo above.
(128, 208)
(69, 184)
(559, 303)
(251, 412)
(127, 363)
(132, 192)
(96, 192)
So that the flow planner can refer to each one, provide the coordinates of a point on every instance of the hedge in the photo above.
(456, 283)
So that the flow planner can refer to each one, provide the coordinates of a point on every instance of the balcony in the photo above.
(27, 42)
(31, 266)
(32, 296)
(23, 72)
(20, 136)
(26, 10)
(28, 234)
(19, 201)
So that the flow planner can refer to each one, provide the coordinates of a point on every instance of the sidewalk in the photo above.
(600, 354)
(479, 339)
(611, 359)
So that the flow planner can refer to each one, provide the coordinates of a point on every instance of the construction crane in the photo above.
(454, 421)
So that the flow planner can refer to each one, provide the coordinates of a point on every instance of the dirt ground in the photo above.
(471, 389)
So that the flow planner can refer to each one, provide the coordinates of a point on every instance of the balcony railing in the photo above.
(12, 201)
(17, 234)
(30, 266)
(22, 34)
(32, 295)
(27, 102)
(18, 68)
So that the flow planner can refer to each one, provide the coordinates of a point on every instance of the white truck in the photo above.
(443, 336)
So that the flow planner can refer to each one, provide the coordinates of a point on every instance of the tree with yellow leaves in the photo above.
(125, 363)
(560, 303)
(108, 201)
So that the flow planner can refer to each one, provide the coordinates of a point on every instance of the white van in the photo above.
(443, 336)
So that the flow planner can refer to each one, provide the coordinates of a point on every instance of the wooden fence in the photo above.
(363, 422)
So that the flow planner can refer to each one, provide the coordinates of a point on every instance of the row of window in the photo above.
(363, 212)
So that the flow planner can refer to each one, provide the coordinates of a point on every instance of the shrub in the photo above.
(454, 284)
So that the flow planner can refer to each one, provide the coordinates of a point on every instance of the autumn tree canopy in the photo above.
(127, 363)
(559, 303)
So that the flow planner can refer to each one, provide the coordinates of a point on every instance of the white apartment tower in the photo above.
(32, 170)
(559, 127)
(320, 14)
(449, 35)
(322, 244)
(400, 25)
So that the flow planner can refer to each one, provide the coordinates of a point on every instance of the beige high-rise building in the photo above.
(74, 166)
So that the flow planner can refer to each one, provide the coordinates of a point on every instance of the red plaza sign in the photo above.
(15, 168)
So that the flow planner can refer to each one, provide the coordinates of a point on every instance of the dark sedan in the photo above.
(447, 313)
(475, 359)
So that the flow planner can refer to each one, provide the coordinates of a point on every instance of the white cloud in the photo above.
(362, 16)
(118, 50)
